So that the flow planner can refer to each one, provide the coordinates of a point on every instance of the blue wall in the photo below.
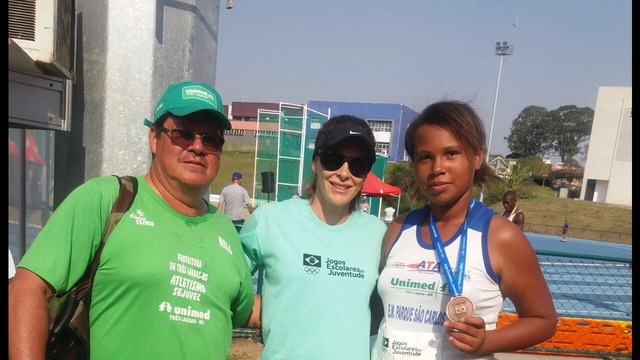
(398, 114)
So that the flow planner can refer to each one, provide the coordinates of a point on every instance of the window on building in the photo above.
(380, 125)
(315, 124)
(30, 186)
(234, 132)
(382, 148)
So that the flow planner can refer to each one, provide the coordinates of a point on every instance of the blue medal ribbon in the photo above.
(454, 280)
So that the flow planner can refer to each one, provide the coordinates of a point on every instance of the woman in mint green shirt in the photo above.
(320, 254)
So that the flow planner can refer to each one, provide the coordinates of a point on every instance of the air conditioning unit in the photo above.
(43, 30)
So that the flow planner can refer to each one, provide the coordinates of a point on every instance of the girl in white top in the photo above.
(446, 267)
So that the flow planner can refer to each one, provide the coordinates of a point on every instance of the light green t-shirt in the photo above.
(318, 280)
(168, 286)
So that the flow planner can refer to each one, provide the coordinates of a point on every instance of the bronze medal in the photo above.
(459, 307)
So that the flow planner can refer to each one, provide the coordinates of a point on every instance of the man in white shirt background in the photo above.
(234, 198)
(388, 214)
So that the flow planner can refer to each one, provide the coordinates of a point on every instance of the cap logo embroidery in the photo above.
(354, 132)
(199, 93)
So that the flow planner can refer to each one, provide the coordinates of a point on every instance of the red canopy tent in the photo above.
(373, 186)
(32, 154)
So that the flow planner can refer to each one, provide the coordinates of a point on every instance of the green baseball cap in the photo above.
(184, 98)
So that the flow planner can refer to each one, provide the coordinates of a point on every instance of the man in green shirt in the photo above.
(172, 281)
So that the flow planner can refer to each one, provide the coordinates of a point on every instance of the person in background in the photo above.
(320, 254)
(511, 210)
(465, 257)
(388, 214)
(565, 228)
(364, 205)
(172, 280)
(234, 198)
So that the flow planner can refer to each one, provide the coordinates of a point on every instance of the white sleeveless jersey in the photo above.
(415, 292)
(513, 214)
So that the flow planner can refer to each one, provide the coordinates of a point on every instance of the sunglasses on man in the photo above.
(185, 138)
(332, 161)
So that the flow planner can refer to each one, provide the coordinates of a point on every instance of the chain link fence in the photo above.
(592, 296)
(581, 233)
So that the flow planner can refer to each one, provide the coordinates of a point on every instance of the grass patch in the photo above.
(231, 161)
(585, 217)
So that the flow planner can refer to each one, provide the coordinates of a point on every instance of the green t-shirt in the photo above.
(168, 286)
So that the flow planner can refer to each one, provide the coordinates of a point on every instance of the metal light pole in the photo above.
(502, 49)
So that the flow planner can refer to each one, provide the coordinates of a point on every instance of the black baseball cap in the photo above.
(343, 127)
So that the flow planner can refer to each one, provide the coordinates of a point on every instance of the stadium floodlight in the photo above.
(502, 49)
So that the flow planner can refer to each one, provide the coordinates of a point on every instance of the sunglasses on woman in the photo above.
(185, 138)
(332, 161)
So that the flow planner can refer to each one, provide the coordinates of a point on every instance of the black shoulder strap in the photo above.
(79, 291)
(128, 190)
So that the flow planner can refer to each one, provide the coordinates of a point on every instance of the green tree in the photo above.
(403, 176)
(573, 164)
(569, 127)
(534, 165)
(528, 135)
(518, 173)
(537, 131)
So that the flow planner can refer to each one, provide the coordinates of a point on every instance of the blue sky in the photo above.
(416, 52)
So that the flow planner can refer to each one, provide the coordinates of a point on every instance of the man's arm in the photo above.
(247, 200)
(28, 315)
(255, 319)
(221, 202)
(518, 219)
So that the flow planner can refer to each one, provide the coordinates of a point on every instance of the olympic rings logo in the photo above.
(312, 270)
